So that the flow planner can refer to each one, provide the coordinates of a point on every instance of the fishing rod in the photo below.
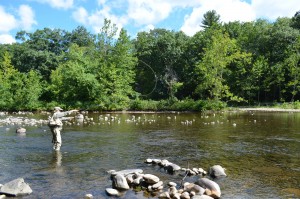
(155, 76)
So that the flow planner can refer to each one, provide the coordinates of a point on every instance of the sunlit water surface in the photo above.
(261, 152)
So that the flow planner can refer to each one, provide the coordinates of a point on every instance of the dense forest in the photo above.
(234, 63)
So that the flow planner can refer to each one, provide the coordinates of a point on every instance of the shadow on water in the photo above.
(261, 152)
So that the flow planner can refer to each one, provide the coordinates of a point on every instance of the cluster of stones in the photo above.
(122, 180)
(203, 188)
(171, 167)
(20, 121)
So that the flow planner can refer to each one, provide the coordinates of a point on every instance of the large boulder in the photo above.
(16, 187)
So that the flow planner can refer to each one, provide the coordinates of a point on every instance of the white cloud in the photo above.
(101, 2)
(96, 19)
(27, 17)
(61, 4)
(8, 22)
(7, 39)
(140, 13)
(65, 4)
(272, 9)
(147, 28)
(238, 10)
(192, 22)
(144, 12)
(81, 15)
(229, 10)
(183, 4)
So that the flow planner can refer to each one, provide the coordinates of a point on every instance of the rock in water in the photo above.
(21, 130)
(151, 179)
(88, 196)
(171, 168)
(16, 187)
(217, 171)
(202, 197)
(211, 188)
(126, 172)
(119, 182)
(112, 192)
(193, 187)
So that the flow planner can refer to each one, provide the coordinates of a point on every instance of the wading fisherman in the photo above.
(55, 124)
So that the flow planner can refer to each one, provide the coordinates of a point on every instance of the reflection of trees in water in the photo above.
(57, 178)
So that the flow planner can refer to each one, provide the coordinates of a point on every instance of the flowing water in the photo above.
(260, 150)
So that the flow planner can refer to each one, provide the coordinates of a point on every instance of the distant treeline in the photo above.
(236, 63)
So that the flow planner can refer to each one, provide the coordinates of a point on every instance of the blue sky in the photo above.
(133, 15)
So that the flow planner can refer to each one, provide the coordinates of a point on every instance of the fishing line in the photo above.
(154, 76)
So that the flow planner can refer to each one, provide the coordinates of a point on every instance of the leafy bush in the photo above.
(143, 105)
(289, 105)
(213, 105)
(176, 105)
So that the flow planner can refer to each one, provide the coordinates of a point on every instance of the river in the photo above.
(260, 151)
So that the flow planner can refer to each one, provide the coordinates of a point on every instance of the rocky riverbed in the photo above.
(203, 188)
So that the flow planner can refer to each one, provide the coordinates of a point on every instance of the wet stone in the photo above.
(151, 179)
(112, 192)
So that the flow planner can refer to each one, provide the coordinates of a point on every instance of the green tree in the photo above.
(27, 91)
(7, 72)
(40, 50)
(282, 37)
(212, 70)
(160, 52)
(115, 68)
(73, 81)
(18, 90)
(296, 20)
(210, 18)
(81, 37)
(293, 65)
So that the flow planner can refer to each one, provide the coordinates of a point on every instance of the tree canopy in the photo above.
(235, 62)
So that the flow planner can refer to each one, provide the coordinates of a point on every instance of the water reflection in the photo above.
(56, 159)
